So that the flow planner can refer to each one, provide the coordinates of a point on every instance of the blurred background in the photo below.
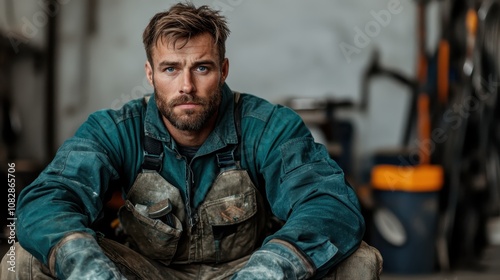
(402, 92)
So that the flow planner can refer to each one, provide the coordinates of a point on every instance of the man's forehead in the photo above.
(177, 43)
(203, 43)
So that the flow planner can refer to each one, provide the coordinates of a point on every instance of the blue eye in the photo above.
(169, 69)
(202, 68)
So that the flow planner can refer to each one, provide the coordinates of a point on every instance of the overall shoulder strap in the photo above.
(230, 159)
(153, 154)
(153, 150)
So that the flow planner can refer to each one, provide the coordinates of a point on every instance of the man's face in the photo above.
(187, 82)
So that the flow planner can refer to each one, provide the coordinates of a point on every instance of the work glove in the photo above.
(82, 258)
(275, 260)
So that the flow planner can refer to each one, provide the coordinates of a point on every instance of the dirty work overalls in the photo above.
(227, 226)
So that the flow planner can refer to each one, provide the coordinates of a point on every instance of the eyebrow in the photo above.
(175, 63)
(168, 63)
(207, 61)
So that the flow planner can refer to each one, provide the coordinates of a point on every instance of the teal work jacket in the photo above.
(303, 186)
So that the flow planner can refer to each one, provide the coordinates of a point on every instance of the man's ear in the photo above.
(149, 72)
(224, 69)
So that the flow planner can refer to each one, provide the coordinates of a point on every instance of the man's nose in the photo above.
(187, 86)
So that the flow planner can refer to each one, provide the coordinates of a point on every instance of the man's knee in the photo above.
(365, 263)
(20, 264)
(17, 263)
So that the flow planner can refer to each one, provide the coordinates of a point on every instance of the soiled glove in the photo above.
(275, 261)
(82, 258)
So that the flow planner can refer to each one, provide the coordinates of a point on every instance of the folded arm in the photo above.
(306, 189)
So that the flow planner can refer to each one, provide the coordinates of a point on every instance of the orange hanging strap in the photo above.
(443, 78)
(471, 22)
(424, 128)
(423, 106)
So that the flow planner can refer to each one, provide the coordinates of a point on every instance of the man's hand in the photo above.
(275, 260)
(78, 256)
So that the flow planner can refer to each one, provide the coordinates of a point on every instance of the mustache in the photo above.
(183, 99)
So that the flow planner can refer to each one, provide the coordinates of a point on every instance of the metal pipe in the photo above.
(50, 86)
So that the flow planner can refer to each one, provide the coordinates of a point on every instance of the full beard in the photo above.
(189, 120)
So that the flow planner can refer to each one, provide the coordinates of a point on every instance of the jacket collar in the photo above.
(223, 134)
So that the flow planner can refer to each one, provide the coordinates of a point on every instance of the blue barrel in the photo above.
(406, 217)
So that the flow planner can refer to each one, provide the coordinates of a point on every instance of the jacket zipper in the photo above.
(189, 183)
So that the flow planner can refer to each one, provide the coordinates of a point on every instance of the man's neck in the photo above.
(190, 138)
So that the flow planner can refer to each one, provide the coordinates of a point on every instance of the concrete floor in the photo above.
(489, 269)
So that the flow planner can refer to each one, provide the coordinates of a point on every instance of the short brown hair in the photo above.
(183, 21)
